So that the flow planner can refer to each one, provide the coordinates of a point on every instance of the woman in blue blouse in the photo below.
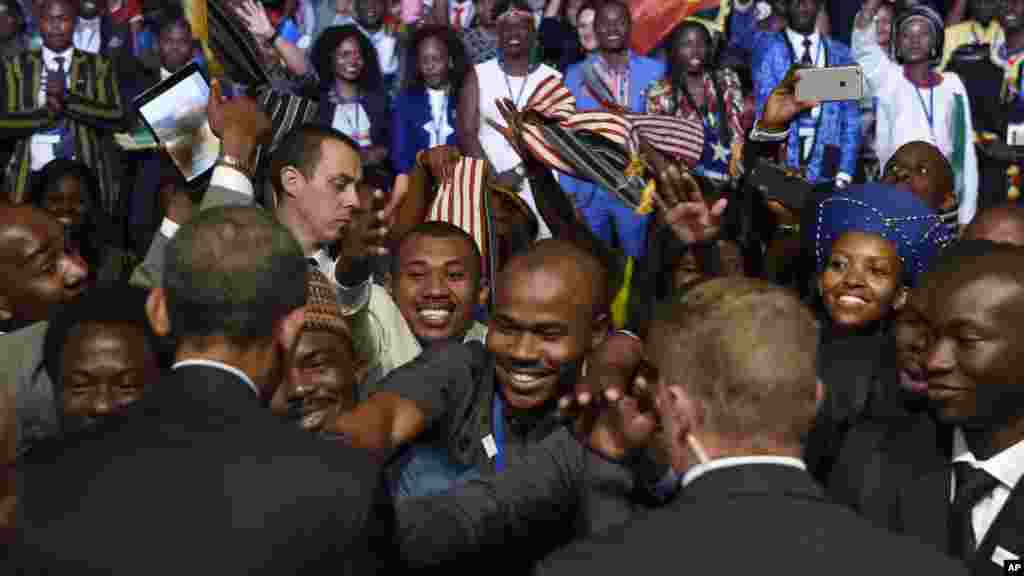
(352, 96)
(424, 113)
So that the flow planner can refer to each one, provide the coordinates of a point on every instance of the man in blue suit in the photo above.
(823, 143)
(614, 76)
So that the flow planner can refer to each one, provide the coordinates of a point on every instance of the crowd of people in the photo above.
(474, 284)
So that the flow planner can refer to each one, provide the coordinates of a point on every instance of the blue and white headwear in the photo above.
(932, 18)
(888, 211)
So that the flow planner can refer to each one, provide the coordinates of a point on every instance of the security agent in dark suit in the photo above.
(951, 477)
(735, 388)
(203, 478)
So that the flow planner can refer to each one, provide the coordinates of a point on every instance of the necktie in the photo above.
(458, 16)
(65, 148)
(972, 484)
(806, 60)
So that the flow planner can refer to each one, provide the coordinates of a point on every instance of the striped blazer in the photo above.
(92, 107)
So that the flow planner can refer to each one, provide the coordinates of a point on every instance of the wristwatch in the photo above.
(236, 163)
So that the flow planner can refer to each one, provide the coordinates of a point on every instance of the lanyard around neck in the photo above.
(498, 428)
(929, 111)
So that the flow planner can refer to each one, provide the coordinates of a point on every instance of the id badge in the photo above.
(1015, 134)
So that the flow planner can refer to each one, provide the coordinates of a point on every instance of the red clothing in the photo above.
(128, 11)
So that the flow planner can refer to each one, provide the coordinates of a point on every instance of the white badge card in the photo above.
(1015, 134)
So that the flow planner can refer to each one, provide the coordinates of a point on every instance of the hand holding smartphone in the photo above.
(833, 84)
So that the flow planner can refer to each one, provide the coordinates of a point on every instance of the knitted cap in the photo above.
(322, 310)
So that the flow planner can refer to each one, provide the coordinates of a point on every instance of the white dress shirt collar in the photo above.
(1006, 466)
(700, 469)
(221, 366)
(50, 57)
(87, 35)
(796, 40)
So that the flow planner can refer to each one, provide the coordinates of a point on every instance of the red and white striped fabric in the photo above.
(460, 201)
(680, 138)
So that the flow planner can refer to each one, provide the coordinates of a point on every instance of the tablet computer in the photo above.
(175, 112)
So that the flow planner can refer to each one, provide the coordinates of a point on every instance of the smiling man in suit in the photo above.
(952, 477)
(735, 389)
(60, 102)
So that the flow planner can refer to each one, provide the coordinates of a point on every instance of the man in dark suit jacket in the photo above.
(203, 478)
(44, 120)
(912, 476)
(737, 389)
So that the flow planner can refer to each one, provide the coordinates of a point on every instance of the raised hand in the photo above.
(782, 106)
(681, 202)
(239, 122)
(611, 407)
(255, 18)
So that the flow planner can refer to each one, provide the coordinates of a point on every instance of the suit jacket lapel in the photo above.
(77, 61)
(924, 499)
(1007, 532)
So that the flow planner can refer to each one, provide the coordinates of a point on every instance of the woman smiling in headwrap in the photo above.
(870, 243)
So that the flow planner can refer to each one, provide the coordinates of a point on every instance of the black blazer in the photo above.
(897, 475)
(203, 479)
(752, 519)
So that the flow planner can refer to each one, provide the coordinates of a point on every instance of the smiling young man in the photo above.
(619, 77)
(823, 143)
(514, 77)
(951, 477)
(40, 276)
(61, 102)
(490, 403)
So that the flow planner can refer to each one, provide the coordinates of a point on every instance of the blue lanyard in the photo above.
(498, 422)
(929, 113)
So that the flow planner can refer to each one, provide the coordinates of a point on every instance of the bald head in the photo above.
(38, 273)
(550, 310)
(922, 167)
(580, 269)
(1001, 224)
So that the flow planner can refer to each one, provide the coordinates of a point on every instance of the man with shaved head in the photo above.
(541, 482)
(921, 168)
(1003, 224)
(39, 275)
(550, 310)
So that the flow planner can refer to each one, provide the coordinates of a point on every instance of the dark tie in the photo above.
(806, 60)
(65, 149)
(972, 484)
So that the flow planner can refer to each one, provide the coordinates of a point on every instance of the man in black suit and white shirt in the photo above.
(735, 391)
(202, 478)
(951, 477)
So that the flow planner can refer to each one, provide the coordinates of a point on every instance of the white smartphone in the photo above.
(830, 84)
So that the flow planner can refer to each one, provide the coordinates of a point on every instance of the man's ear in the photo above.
(599, 329)
(901, 298)
(156, 312)
(6, 309)
(292, 181)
